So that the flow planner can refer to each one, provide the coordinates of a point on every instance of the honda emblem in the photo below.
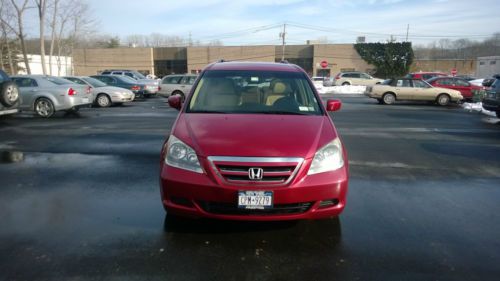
(255, 173)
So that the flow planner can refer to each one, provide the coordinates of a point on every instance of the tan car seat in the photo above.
(222, 93)
(250, 95)
(278, 90)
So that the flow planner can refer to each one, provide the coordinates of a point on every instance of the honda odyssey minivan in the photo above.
(253, 141)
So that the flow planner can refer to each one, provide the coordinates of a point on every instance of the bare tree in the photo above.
(13, 18)
(53, 29)
(63, 14)
(135, 40)
(42, 8)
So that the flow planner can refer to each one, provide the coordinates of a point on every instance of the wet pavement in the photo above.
(79, 200)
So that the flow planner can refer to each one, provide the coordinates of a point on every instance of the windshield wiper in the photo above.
(281, 112)
(207, 111)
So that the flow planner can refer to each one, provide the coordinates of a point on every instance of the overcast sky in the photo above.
(341, 21)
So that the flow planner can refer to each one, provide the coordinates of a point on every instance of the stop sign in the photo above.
(454, 72)
(323, 64)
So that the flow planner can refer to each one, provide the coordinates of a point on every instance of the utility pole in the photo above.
(407, 31)
(282, 36)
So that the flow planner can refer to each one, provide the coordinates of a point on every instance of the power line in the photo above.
(336, 30)
(242, 32)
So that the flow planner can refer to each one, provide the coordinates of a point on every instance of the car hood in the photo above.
(254, 135)
(148, 81)
(112, 89)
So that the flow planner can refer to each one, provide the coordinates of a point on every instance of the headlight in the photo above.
(180, 155)
(328, 158)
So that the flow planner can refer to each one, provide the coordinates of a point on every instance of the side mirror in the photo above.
(333, 105)
(175, 101)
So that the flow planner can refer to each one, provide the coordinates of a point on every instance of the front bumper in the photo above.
(491, 104)
(118, 98)
(76, 102)
(8, 111)
(196, 195)
(150, 91)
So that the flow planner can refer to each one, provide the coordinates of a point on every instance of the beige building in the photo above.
(465, 67)
(199, 57)
(91, 61)
(339, 58)
(316, 60)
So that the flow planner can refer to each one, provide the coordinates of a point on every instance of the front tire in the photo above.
(389, 98)
(103, 100)
(44, 107)
(346, 84)
(443, 99)
(180, 94)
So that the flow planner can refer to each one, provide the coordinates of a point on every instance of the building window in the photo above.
(493, 62)
(166, 67)
(481, 63)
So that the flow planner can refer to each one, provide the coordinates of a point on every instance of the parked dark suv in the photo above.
(9, 95)
(491, 101)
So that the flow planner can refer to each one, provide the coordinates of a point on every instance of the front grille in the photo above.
(232, 209)
(275, 170)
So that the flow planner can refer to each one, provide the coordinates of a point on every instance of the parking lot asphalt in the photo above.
(79, 200)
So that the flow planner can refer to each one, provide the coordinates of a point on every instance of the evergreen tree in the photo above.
(390, 59)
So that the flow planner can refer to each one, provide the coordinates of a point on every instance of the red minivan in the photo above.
(253, 141)
(425, 75)
(463, 86)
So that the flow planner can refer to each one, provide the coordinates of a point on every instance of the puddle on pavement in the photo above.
(78, 211)
(40, 158)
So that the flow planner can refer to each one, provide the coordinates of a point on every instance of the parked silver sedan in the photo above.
(103, 95)
(177, 84)
(47, 94)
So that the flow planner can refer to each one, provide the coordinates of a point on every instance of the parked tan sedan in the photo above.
(411, 89)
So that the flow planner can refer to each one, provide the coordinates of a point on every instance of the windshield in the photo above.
(57, 80)
(264, 92)
(421, 84)
(139, 75)
(94, 82)
(127, 79)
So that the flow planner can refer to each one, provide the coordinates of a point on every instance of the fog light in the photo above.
(182, 201)
(328, 203)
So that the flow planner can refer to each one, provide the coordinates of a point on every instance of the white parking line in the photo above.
(385, 165)
(414, 130)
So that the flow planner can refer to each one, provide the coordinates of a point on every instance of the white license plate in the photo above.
(255, 199)
(85, 100)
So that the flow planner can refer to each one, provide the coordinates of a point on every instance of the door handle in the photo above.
(34, 90)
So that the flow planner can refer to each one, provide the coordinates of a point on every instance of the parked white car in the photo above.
(356, 78)
(102, 94)
(177, 84)
(45, 94)
(477, 82)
